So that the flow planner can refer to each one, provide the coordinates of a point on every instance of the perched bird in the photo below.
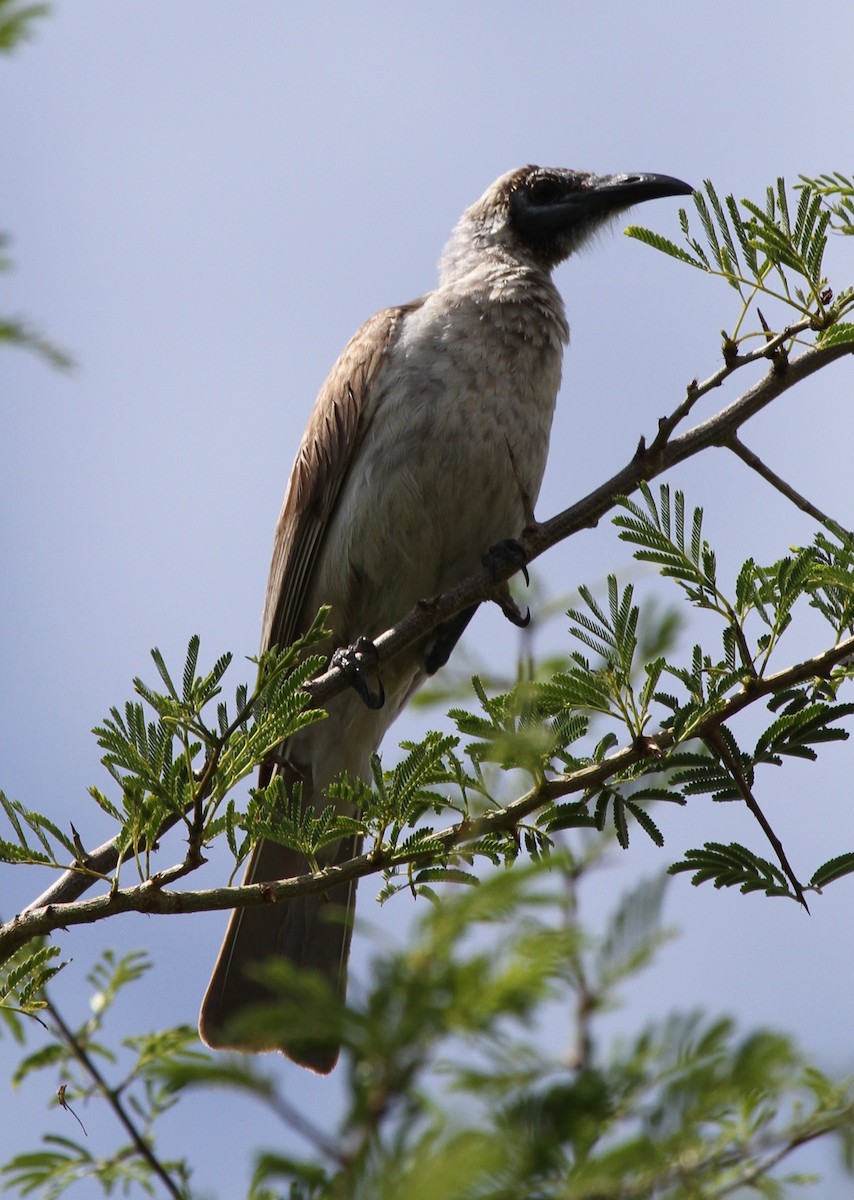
(432, 425)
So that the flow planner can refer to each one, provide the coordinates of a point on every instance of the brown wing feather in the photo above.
(334, 431)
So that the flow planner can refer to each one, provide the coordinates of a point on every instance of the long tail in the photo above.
(312, 932)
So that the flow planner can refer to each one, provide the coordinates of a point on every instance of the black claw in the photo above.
(354, 661)
(507, 551)
(372, 699)
(512, 612)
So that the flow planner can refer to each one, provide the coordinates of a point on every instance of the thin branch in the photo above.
(150, 897)
(79, 878)
(734, 362)
(719, 747)
(763, 1167)
(291, 1115)
(756, 464)
(114, 1100)
(581, 1056)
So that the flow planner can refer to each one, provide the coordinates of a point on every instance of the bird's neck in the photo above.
(487, 272)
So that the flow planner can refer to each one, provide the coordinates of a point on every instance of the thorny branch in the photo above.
(722, 752)
(732, 363)
(54, 908)
(151, 898)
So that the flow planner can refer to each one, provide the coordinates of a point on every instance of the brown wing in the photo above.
(334, 431)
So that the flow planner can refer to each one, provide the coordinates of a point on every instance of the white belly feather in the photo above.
(433, 486)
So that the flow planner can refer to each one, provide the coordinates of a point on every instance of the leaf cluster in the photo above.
(23, 979)
(177, 766)
(50, 839)
(454, 1090)
(62, 1161)
(774, 249)
(171, 764)
(837, 191)
(542, 726)
(17, 22)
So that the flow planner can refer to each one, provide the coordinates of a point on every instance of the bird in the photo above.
(425, 448)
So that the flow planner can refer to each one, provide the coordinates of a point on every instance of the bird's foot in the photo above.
(356, 662)
(507, 551)
(495, 559)
(510, 608)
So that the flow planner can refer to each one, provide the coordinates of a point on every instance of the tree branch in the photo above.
(646, 464)
(695, 391)
(150, 897)
(756, 464)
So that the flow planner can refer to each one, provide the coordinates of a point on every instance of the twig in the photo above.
(756, 464)
(297, 1120)
(114, 1100)
(720, 749)
(581, 1056)
(761, 1167)
(695, 391)
(645, 465)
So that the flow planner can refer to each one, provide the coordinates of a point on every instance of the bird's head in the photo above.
(544, 214)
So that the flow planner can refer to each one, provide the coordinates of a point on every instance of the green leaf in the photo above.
(575, 815)
(707, 223)
(440, 874)
(25, 975)
(17, 21)
(733, 866)
(747, 247)
(660, 532)
(646, 822)
(840, 334)
(833, 869)
(633, 932)
(658, 242)
(163, 671)
(795, 732)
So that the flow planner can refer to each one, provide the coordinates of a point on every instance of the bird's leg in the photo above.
(285, 765)
(356, 662)
(445, 637)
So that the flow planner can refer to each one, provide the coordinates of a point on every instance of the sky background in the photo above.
(205, 201)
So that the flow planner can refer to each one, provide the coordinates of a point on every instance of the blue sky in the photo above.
(205, 202)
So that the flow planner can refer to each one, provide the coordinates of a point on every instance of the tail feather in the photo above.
(312, 932)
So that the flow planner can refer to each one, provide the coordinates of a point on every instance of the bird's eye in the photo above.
(545, 190)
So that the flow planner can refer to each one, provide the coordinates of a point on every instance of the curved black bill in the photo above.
(620, 191)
